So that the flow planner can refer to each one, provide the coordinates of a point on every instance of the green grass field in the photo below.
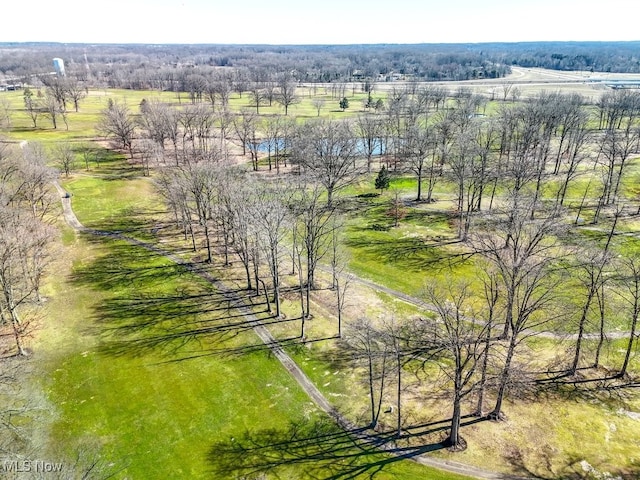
(133, 362)
(127, 373)
(138, 366)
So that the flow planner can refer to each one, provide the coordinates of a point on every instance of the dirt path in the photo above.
(289, 364)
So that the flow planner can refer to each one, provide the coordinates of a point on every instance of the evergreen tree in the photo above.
(383, 179)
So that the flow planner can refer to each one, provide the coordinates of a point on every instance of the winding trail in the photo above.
(418, 302)
(289, 364)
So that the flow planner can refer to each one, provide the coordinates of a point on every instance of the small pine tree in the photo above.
(383, 179)
(344, 103)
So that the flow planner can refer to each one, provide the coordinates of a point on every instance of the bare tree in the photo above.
(395, 336)
(593, 265)
(572, 147)
(630, 280)
(24, 244)
(314, 236)
(471, 167)
(246, 127)
(616, 146)
(197, 124)
(274, 128)
(75, 91)
(65, 157)
(148, 151)
(52, 108)
(5, 114)
(30, 182)
(196, 85)
(419, 142)
(116, 121)
(522, 251)
(286, 92)
(155, 121)
(339, 259)
(240, 81)
(199, 182)
(223, 84)
(256, 89)
(238, 201)
(370, 131)
(490, 311)
(459, 339)
(57, 88)
(327, 151)
(32, 106)
(173, 186)
(366, 345)
(318, 104)
(272, 216)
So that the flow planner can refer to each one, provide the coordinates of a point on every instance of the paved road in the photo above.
(289, 364)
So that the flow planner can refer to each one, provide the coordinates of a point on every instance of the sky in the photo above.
(318, 22)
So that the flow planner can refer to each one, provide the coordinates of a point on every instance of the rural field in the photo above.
(406, 280)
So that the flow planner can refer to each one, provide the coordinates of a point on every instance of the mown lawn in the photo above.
(141, 370)
(138, 364)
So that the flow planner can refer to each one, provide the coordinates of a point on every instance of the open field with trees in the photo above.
(453, 267)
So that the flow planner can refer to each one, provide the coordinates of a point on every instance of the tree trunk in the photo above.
(483, 371)
(454, 440)
(600, 296)
(399, 392)
(632, 334)
(581, 324)
(376, 407)
(205, 224)
(15, 325)
(497, 414)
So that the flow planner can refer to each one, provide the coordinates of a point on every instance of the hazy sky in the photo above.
(321, 21)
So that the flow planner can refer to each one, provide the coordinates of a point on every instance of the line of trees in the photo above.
(522, 178)
(263, 224)
(475, 347)
(25, 238)
(172, 67)
(52, 101)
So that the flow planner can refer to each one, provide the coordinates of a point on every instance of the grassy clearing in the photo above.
(119, 383)
(114, 310)
(420, 245)
(305, 108)
(156, 404)
(122, 205)
(150, 415)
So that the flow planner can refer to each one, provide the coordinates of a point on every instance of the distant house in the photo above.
(358, 75)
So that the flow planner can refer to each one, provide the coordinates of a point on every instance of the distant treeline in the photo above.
(616, 57)
(155, 66)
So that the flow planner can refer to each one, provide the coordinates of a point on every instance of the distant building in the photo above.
(58, 65)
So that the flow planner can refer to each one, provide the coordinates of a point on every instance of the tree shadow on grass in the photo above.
(410, 253)
(123, 266)
(315, 449)
(134, 222)
(148, 308)
(572, 467)
(111, 164)
(206, 327)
